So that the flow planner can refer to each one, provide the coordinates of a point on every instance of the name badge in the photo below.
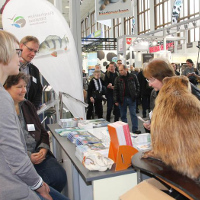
(34, 79)
(31, 127)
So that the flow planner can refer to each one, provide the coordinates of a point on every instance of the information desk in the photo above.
(165, 173)
(88, 185)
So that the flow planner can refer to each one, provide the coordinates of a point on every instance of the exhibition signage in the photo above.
(146, 57)
(189, 45)
(57, 59)
(176, 10)
(110, 9)
(154, 49)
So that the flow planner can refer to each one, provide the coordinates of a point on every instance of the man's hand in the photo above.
(44, 191)
(92, 99)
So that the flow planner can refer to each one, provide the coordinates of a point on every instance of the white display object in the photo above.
(57, 60)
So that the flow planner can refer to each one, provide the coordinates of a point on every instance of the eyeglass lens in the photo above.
(30, 49)
(19, 52)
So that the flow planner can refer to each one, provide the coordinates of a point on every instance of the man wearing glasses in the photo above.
(30, 47)
(119, 62)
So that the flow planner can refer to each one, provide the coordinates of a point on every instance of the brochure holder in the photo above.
(121, 155)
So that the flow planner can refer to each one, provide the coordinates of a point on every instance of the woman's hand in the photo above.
(44, 151)
(37, 158)
(147, 125)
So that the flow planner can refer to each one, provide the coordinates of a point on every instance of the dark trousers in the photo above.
(52, 173)
(145, 104)
(110, 105)
(98, 109)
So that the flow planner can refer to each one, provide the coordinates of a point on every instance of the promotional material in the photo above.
(110, 9)
(57, 59)
(176, 10)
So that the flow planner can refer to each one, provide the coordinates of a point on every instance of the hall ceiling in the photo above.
(85, 7)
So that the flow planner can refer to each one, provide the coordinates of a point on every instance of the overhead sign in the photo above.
(110, 9)
(57, 60)
(176, 10)
(169, 45)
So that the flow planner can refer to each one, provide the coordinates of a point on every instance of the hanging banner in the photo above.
(110, 9)
(176, 10)
(2, 5)
(57, 59)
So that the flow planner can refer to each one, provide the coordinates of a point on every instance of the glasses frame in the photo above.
(30, 49)
(150, 81)
(19, 52)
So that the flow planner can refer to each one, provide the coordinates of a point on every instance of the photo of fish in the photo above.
(52, 44)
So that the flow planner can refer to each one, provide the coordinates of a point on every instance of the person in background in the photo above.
(190, 72)
(155, 71)
(30, 47)
(84, 74)
(174, 65)
(18, 177)
(132, 69)
(95, 92)
(136, 70)
(126, 90)
(37, 138)
(109, 83)
(145, 92)
(119, 62)
(98, 68)
(107, 69)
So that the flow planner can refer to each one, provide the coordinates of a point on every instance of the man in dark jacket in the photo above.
(30, 46)
(126, 90)
(109, 83)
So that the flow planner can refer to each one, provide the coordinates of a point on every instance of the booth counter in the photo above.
(89, 185)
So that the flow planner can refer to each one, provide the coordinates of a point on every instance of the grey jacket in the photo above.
(17, 173)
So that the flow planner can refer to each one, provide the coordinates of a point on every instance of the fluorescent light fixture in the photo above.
(66, 6)
(194, 24)
(154, 43)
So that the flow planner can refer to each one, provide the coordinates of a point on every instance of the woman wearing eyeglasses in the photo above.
(30, 47)
(155, 71)
(18, 177)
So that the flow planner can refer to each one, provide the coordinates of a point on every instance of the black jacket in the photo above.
(35, 90)
(92, 92)
(110, 78)
(145, 89)
(119, 88)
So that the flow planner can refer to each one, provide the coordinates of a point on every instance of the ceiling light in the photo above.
(178, 29)
(186, 26)
(168, 31)
(194, 24)
(66, 6)
(154, 43)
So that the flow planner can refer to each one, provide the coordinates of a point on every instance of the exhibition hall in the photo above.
(99, 99)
